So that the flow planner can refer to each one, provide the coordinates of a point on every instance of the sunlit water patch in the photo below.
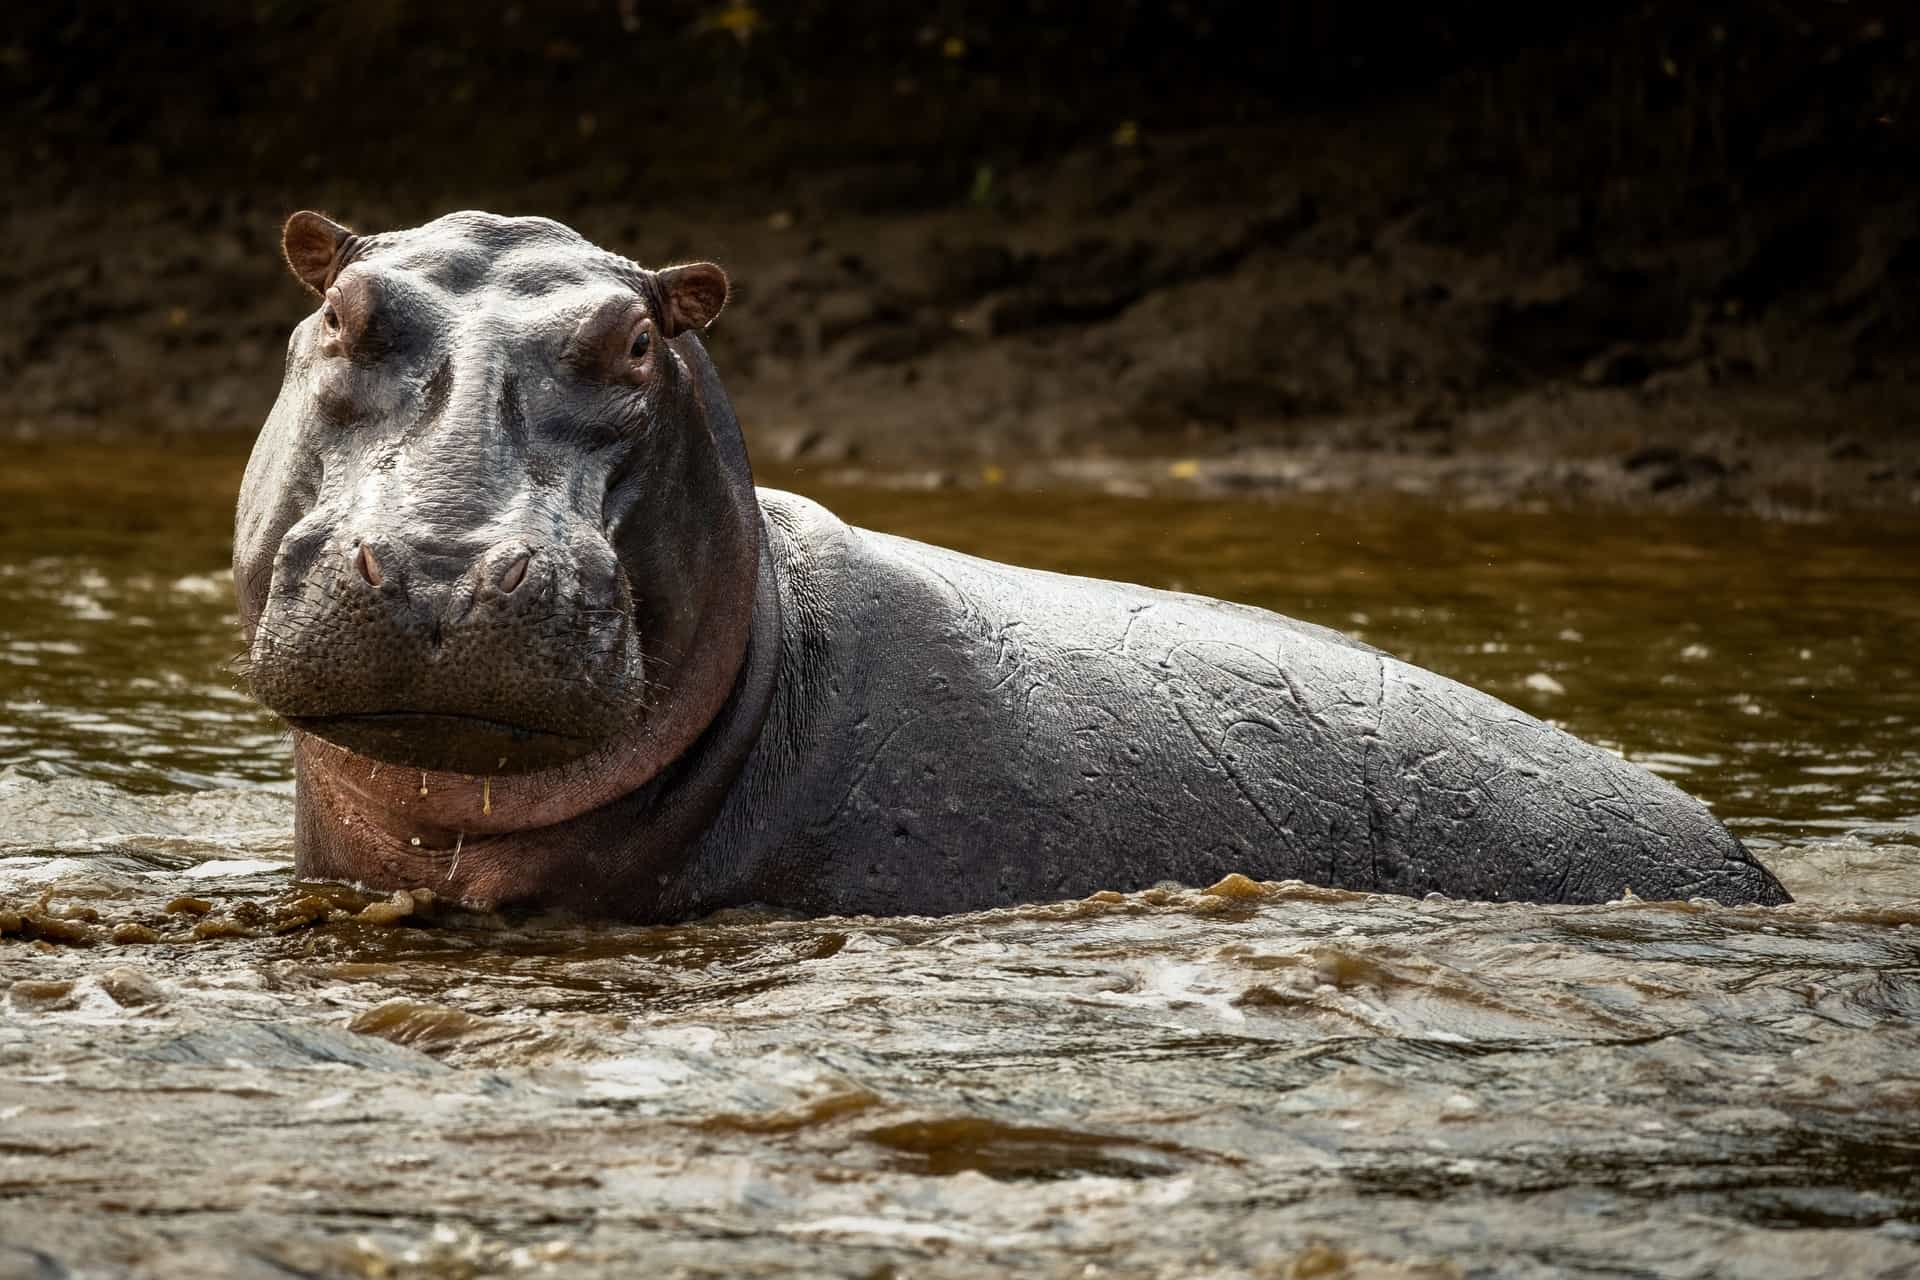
(206, 1068)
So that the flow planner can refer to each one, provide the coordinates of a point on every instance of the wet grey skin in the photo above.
(502, 567)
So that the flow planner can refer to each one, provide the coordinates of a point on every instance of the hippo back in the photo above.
(954, 733)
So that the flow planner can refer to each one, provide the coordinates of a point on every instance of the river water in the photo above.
(207, 1069)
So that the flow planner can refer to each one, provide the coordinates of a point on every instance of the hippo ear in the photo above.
(694, 293)
(311, 242)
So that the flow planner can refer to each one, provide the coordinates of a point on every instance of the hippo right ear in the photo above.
(695, 293)
(311, 242)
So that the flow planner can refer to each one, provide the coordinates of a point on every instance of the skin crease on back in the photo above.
(502, 567)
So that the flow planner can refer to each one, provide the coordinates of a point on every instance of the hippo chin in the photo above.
(503, 569)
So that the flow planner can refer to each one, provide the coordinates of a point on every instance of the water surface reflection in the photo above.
(208, 1069)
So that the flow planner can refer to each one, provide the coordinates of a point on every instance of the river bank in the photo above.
(1689, 285)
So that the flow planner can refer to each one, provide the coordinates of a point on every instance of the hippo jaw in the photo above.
(481, 532)
(448, 743)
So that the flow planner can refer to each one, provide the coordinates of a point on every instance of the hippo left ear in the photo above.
(694, 293)
(311, 242)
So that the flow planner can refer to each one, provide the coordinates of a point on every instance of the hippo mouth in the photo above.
(445, 742)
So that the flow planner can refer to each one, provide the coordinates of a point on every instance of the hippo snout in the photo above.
(505, 580)
(444, 591)
(480, 655)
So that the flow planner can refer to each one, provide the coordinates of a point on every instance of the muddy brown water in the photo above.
(208, 1069)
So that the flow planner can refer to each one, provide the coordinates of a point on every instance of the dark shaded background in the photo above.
(1685, 238)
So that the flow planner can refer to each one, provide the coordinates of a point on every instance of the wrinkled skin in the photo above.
(503, 569)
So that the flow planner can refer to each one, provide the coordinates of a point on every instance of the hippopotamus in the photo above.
(503, 570)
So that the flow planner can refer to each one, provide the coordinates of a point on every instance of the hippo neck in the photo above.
(613, 826)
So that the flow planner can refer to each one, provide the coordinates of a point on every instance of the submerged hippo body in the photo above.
(504, 571)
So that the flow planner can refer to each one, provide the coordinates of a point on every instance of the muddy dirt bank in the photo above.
(1614, 259)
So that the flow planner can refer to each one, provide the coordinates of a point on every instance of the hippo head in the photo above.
(500, 519)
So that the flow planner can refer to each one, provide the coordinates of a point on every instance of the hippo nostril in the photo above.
(515, 575)
(369, 567)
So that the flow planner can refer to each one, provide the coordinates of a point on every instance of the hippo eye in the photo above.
(330, 318)
(641, 341)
